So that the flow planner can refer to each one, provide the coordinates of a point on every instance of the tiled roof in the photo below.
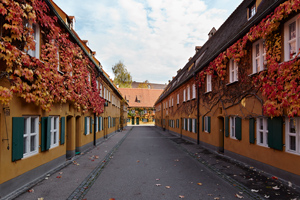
(235, 27)
(146, 97)
(152, 85)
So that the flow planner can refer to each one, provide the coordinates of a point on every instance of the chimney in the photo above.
(212, 32)
(197, 48)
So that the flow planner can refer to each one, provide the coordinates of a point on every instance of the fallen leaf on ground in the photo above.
(276, 187)
(253, 190)
(158, 184)
(58, 177)
(181, 196)
(48, 175)
(239, 196)
(199, 183)
(216, 198)
(96, 157)
(60, 172)
(209, 194)
(137, 161)
(290, 184)
(176, 160)
(31, 191)
(41, 198)
(168, 187)
(46, 178)
(267, 196)
(112, 199)
(274, 178)
(157, 179)
(92, 160)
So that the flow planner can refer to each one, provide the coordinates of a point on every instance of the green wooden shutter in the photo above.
(275, 134)
(226, 126)
(17, 138)
(238, 128)
(186, 128)
(46, 135)
(252, 130)
(191, 126)
(99, 124)
(208, 118)
(63, 130)
(85, 125)
(91, 125)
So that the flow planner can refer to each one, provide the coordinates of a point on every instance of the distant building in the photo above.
(141, 104)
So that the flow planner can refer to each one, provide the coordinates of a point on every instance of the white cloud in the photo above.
(153, 38)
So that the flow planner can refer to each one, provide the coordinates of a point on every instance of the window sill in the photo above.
(232, 83)
(293, 152)
(263, 145)
(208, 92)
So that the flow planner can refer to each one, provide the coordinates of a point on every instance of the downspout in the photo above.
(198, 115)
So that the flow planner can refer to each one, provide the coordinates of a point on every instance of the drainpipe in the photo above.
(198, 115)
(95, 125)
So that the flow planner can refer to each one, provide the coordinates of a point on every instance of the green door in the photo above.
(132, 122)
(137, 121)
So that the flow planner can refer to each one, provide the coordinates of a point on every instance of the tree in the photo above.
(144, 84)
(122, 76)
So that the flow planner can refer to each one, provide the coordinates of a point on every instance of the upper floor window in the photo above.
(208, 83)
(36, 37)
(252, 10)
(233, 71)
(258, 55)
(31, 136)
(293, 135)
(184, 95)
(100, 86)
(177, 98)
(262, 131)
(172, 102)
(291, 36)
(194, 91)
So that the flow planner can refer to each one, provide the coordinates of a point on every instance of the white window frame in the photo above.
(184, 124)
(109, 97)
(100, 92)
(194, 91)
(97, 124)
(232, 127)
(89, 78)
(172, 101)
(258, 56)
(177, 99)
(88, 125)
(28, 134)
(208, 83)
(54, 131)
(36, 35)
(206, 125)
(188, 93)
(184, 95)
(252, 11)
(289, 134)
(193, 125)
(288, 41)
(262, 131)
(233, 71)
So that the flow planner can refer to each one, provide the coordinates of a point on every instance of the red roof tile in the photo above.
(147, 97)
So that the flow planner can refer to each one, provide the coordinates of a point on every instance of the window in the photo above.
(89, 78)
(259, 56)
(54, 131)
(194, 91)
(97, 122)
(188, 93)
(207, 124)
(291, 36)
(36, 37)
(262, 131)
(184, 124)
(177, 99)
(109, 98)
(101, 90)
(233, 71)
(194, 125)
(232, 127)
(208, 83)
(293, 135)
(145, 111)
(31, 136)
(252, 10)
(87, 125)
(184, 95)
(169, 103)
(172, 102)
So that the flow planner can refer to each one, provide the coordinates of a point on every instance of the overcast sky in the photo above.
(153, 38)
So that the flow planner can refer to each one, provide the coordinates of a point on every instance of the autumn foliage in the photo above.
(280, 82)
(60, 75)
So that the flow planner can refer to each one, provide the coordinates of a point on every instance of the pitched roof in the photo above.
(135, 84)
(146, 97)
(235, 27)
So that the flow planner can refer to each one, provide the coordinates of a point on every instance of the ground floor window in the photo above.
(232, 127)
(31, 136)
(293, 135)
(54, 131)
(262, 131)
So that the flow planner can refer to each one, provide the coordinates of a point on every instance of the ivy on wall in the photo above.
(52, 78)
(280, 82)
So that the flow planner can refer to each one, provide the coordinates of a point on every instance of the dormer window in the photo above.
(251, 10)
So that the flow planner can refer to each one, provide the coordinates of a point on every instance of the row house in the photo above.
(55, 99)
(239, 94)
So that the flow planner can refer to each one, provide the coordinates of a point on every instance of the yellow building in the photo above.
(56, 100)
